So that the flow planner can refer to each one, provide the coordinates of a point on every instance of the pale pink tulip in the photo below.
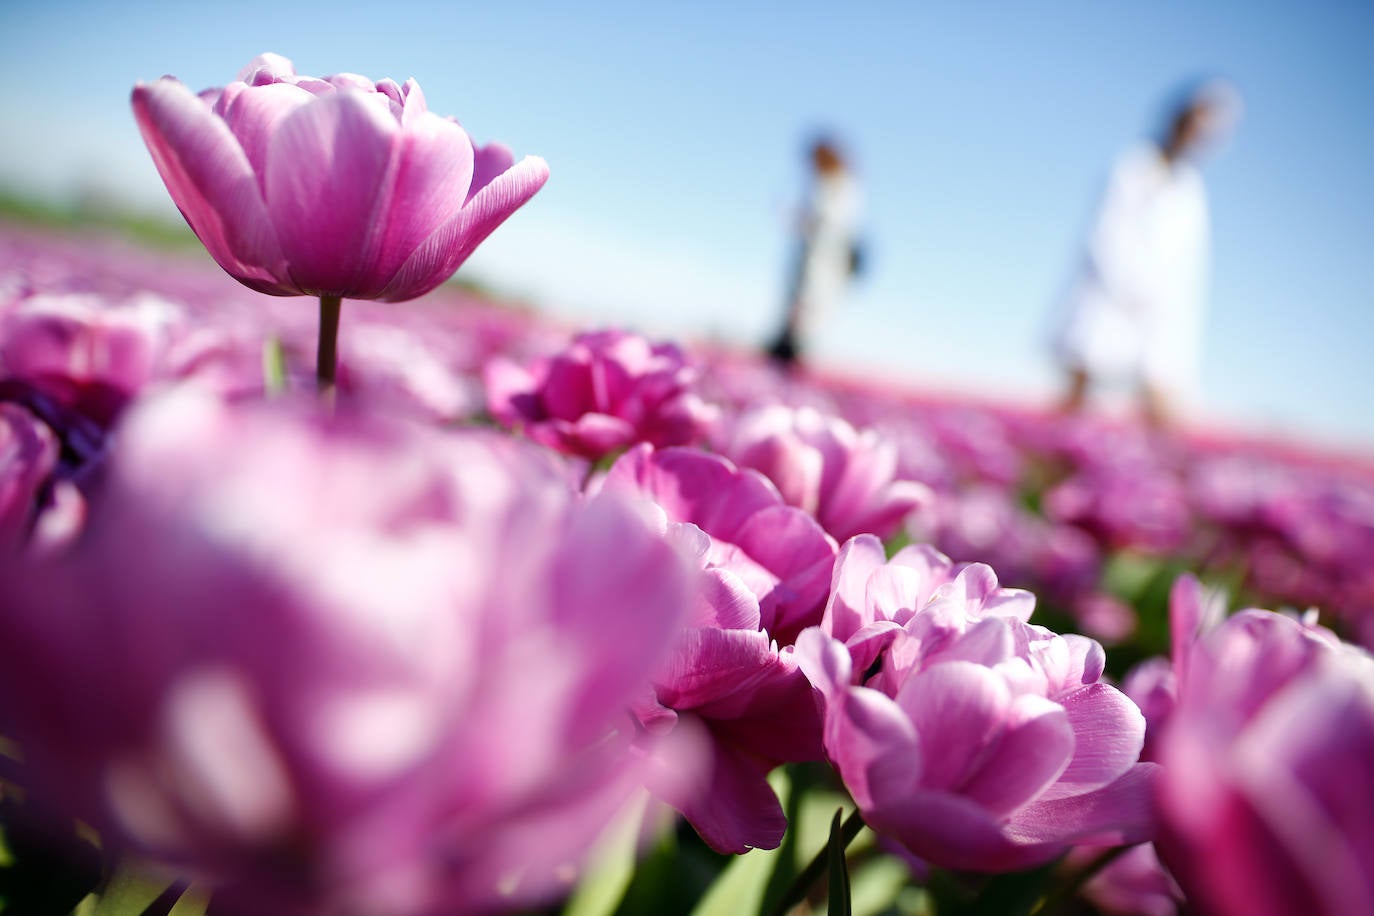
(333, 187)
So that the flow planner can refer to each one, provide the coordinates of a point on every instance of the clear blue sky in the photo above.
(673, 131)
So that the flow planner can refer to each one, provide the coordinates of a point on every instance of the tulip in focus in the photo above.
(981, 742)
(340, 187)
(604, 392)
(338, 665)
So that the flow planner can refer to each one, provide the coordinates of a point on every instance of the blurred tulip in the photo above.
(1265, 798)
(604, 392)
(846, 478)
(338, 665)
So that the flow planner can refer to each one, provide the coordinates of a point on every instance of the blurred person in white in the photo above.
(1136, 306)
(828, 252)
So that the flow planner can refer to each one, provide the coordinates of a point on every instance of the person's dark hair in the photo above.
(826, 154)
(1188, 102)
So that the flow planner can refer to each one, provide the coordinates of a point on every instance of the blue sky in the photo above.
(982, 132)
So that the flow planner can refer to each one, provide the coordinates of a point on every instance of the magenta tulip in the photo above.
(732, 672)
(604, 392)
(743, 699)
(777, 551)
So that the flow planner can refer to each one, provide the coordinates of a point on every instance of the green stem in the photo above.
(817, 866)
(327, 356)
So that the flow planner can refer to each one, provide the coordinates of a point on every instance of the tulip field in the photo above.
(335, 590)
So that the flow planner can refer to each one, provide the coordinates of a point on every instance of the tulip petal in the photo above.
(1031, 753)
(959, 710)
(868, 643)
(727, 603)
(824, 661)
(791, 545)
(648, 569)
(28, 454)
(739, 810)
(431, 174)
(326, 181)
(510, 391)
(707, 666)
(846, 612)
(212, 182)
(591, 436)
(270, 65)
(1109, 731)
(435, 260)
(890, 592)
(793, 468)
(1117, 814)
(874, 747)
(489, 161)
(254, 112)
(953, 832)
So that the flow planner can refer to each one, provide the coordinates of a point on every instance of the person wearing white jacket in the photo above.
(827, 251)
(1135, 308)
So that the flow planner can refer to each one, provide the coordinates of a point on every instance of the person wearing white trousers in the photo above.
(1135, 309)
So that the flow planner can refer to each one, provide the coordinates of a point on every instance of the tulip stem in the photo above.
(327, 356)
(817, 866)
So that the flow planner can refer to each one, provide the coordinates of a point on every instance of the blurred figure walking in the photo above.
(828, 253)
(1135, 309)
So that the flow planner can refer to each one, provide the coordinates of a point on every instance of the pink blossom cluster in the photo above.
(1050, 500)
(363, 654)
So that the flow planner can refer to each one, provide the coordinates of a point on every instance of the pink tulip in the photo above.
(846, 478)
(328, 187)
(338, 665)
(337, 187)
(732, 673)
(743, 699)
(604, 392)
(983, 743)
(1265, 798)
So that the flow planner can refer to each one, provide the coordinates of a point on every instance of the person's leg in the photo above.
(1156, 407)
(783, 349)
(1076, 396)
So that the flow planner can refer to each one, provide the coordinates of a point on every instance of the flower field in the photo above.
(434, 605)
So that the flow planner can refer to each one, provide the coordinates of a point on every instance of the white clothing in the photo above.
(827, 248)
(1135, 310)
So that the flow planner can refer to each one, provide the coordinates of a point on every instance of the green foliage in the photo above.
(839, 899)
